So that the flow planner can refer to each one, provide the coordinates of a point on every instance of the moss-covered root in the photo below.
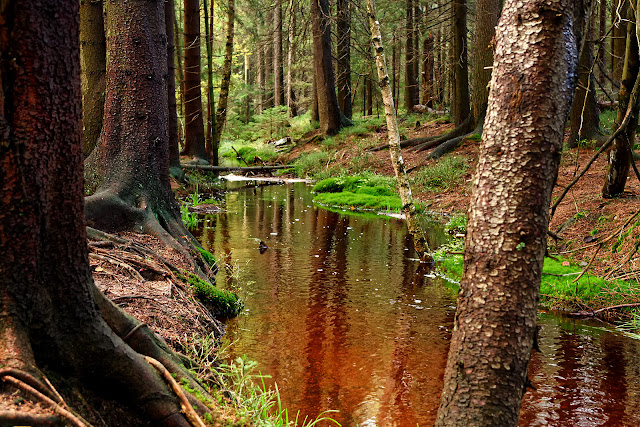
(224, 304)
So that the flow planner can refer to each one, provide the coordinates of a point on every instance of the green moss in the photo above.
(360, 200)
(207, 256)
(365, 191)
(223, 303)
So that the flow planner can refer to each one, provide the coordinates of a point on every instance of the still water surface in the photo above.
(339, 317)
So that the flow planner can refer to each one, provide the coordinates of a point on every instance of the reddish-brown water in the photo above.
(338, 316)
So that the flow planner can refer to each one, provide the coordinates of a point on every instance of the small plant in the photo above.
(456, 225)
(310, 164)
(189, 219)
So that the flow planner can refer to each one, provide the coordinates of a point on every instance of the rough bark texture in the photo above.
(291, 95)
(584, 116)
(93, 62)
(194, 143)
(410, 79)
(620, 154)
(328, 109)
(278, 57)
(404, 188)
(172, 118)
(343, 37)
(487, 14)
(619, 17)
(460, 102)
(49, 308)
(531, 89)
(221, 113)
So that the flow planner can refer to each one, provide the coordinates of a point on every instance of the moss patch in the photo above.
(223, 303)
(207, 256)
(360, 191)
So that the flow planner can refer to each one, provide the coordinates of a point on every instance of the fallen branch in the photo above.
(73, 420)
(236, 168)
(600, 310)
(191, 415)
(624, 261)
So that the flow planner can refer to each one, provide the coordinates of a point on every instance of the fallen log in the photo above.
(236, 168)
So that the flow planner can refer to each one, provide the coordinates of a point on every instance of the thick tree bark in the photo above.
(404, 188)
(328, 109)
(487, 14)
(343, 37)
(460, 102)
(278, 57)
(93, 62)
(49, 308)
(410, 79)
(221, 113)
(584, 116)
(174, 150)
(620, 156)
(211, 140)
(495, 325)
(194, 144)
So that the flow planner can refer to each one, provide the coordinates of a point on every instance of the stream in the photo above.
(338, 316)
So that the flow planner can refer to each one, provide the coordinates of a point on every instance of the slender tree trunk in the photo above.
(93, 60)
(404, 188)
(417, 23)
(328, 109)
(194, 144)
(278, 63)
(315, 115)
(619, 18)
(260, 79)
(460, 102)
(410, 80)
(268, 60)
(602, 30)
(495, 324)
(487, 14)
(369, 91)
(620, 155)
(174, 151)
(343, 37)
(247, 101)
(427, 74)
(291, 95)
(212, 134)
(179, 56)
(221, 114)
(584, 115)
(394, 65)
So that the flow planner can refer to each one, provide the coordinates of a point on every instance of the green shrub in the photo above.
(310, 164)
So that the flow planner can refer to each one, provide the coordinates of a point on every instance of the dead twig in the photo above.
(116, 262)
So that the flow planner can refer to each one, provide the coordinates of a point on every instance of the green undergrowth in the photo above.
(446, 173)
(223, 303)
(238, 383)
(557, 287)
(365, 191)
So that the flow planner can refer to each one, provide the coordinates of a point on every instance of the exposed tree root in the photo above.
(17, 418)
(460, 132)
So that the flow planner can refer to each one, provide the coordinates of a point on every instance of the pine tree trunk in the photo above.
(427, 74)
(343, 37)
(495, 324)
(247, 101)
(620, 155)
(602, 30)
(211, 140)
(417, 23)
(460, 102)
(93, 60)
(179, 56)
(584, 116)
(410, 80)
(394, 65)
(315, 115)
(404, 188)
(221, 113)
(194, 144)
(260, 79)
(619, 16)
(278, 63)
(268, 61)
(328, 109)
(487, 14)
(291, 95)
(174, 151)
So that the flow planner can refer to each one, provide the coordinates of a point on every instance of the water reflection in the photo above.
(339, 316)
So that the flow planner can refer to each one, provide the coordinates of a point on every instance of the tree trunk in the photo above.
(619, 15)
(247, 101)
(602, 30)
(487, 14)
(369, 91)
(620, 155)
(174, 150)
(212, 136)
(179, 56)
(343, 38)
(394, 65)
(291, 95)
(404, 188)
(427, 74)
(495, 324)
(460, 102)
(278, 63)
(93, 56)
(50, 310)
(328, 109)
(194, 144)
(260, 79)
(417, 23)
(268, 60)
(410, 79)
(315, 115)
(584, 116)
(221, 114)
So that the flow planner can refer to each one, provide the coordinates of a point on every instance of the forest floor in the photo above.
(582, 220)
